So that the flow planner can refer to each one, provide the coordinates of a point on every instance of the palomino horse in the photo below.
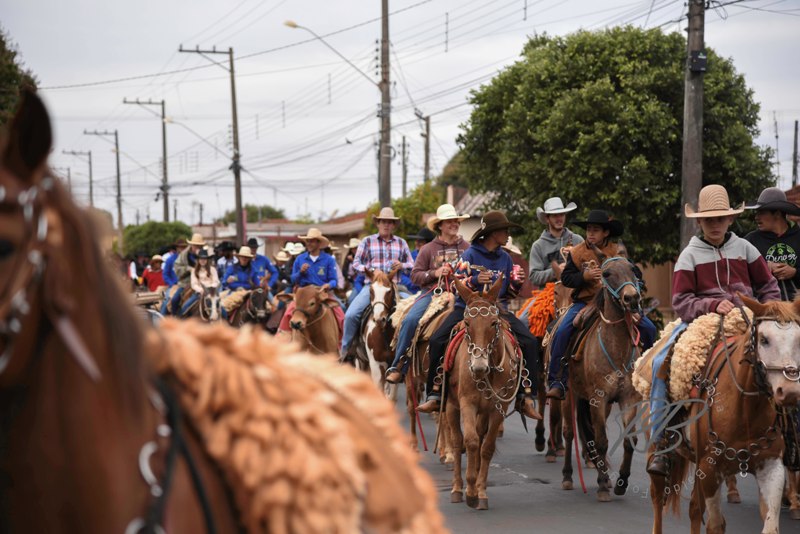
(485, 376)
(734, 426)
(600, 375)
(207, 306)
(91, 444)
(254, 309)
(313, 323)
(372, 347)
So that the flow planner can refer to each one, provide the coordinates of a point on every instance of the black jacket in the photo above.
(780, 249)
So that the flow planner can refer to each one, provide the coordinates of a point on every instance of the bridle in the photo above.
(616, 298)
(208, 292)
(476, 351)
(790, 372)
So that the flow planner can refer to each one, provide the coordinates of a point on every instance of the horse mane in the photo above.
(783, 311)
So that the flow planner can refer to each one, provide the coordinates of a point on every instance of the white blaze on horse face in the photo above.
(379, 293)
(778, 346)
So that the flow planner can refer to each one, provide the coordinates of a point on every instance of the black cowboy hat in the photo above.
(494, 220)
(202, 254)
(423, 235)
(601, 218)
(226, 246)
(252, 242)
(773, 199)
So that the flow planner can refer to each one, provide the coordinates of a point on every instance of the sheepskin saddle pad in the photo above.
(437, 305)
(690, 352)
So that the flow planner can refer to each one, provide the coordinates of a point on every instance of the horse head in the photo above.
(258, 305)
(620, 283)
(483, 325)
(382, 295)
(309, 302)
(209, 304)
(775, 340)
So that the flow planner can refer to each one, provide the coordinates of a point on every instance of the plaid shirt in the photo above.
(377, 253)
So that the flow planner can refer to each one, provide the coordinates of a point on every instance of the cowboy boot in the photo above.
(394, 376)
(556, 391)
(432, 404)
(527, 407)
(659, 464)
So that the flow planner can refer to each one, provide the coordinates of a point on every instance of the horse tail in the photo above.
(676, 483)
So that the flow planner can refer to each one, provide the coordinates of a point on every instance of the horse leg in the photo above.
(792, 479)
(770, 487)
(566, 471)
(733, 491)
(412, 411)
(472, 442)
(555, 431)
(457, 442)
(600, 445)
(657, 498)
(629, 412)
(709, 488)
(495, 420)
(540, 441)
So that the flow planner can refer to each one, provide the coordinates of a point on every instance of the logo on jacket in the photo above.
(781, 253)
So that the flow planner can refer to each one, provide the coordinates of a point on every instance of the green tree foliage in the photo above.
(267, 212)
(151, 236)
(424, 198)
(13, 77)
(597, 118)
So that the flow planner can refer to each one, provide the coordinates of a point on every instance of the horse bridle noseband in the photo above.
(615, 292)
(474, 350)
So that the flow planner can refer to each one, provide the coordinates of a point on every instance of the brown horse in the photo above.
(734, 426)
(601, 375)
(206, 307)
(372, 345)
(313, 323)
(254, 309)
(90, 443)
(485, 377)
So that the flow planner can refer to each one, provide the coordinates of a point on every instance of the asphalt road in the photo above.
(525, 494)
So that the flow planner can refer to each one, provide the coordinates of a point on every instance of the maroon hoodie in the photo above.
(431, 257)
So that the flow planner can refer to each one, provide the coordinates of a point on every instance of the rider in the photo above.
(382, 251)
(486, 251)
(421, 238)
(153, 276)
(241, 275)
(777, 239)
(203, 276)
(432, 268)
(184, 263)
(583, 273)
(226, 249)
(709, 272)
(262, 264)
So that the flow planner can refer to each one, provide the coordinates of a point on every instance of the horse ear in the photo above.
(30, 137)
(391, 274)
(464, 292)
(285, 297)
(369, 273)
(494, 291)
(323, 293)
(756, 307)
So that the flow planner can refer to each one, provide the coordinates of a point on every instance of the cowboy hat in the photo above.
(244, 252)
(511, 247)
(354, 242)
(773, 199)
(493, 220)
(333, 247)
(282, 255)
(445, 212)
(553, 206)
(386, 214)
(712, 202)
(601, 218)
(424, 234)
(297, 248)
(156, 258)
(288, 247)
(252, 242)
(314, 233)
(197, 240)
(203, 254)
(180, 242)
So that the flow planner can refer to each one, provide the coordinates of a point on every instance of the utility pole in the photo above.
(137, 216)
(105, 133)
(91, 185)
(692, 161)
(201, 214)
(405, 167)
(69, 176)
(385, 183)
(175, 209)
(794, 157)
(235, 166)
(164, 182)
(427, 136)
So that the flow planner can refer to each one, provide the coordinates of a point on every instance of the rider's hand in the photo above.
(304, 267)
(485, 277)
(725, 307)
(444, 270)
(395, 265)
(783, 271)
(231, 279)
(593, 274)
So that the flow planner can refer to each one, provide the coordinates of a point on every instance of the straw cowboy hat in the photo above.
(445, 212)
(511, 247)
(386, 214)
(553, 206)
(282, 255)
(494, 220)
(180, 242)
(773, 199)
(156, 258)
(354, 242)
(244, 252)
(314, 233)
(197, 240)
(602, 218)
(333, 247)
(712, 202)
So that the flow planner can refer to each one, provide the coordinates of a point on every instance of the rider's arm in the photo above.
(405, 256)
(228, 273)
(572, 275)
(296, 274)
(331, 273)
(214, 278)
(361, 258)
(273, 279)
(196, 285)
(422, 273)
(541, 271)
(765, 286)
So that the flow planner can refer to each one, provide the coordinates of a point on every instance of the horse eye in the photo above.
(763, 340)
(606, 274)
(6, 248)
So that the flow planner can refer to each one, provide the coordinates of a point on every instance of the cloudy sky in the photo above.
(308, 123)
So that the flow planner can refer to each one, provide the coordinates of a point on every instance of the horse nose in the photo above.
(296, 325)
(784, 397)
(480, 367)
(631, 301)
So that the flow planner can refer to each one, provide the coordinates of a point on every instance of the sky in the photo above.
(308, 124)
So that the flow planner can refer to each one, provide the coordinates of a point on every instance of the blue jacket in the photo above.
(246, 278)
(169, 270)
(322, 271)
(498, 261)
(262, 264)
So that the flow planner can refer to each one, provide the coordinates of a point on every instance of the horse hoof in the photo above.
(472, 501)
(499, 433)
(603, 496)
(539, 444)
(456, 497)
(734, 498)
(590, 465)
(449, 467)
(566, 485)
(483, 504)
(560, 452)
(620, 490)
(550, 458)
(794, 514)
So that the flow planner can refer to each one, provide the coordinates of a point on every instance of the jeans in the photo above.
(658, 388)
(352, 319)
(174, 300)
(408, 327)
(189, 302)
(556, 376)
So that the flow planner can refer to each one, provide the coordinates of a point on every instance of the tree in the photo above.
(13, 77)
(424, 198)
(596, 118)
(253, 213)
(152, 235)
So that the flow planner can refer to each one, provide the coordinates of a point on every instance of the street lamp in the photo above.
(384, 180)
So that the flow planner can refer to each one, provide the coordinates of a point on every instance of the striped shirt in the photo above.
(377, 253)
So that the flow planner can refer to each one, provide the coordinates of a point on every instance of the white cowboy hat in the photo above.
(553, 206)
(282, 255)
(712, 202)
(511, 247)
(197, 239)
(354, 242)
(333, 247)
(445, 212)
(314, 233)
(244, 251)
(297, 248)
(288, 247)
(386, 214)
